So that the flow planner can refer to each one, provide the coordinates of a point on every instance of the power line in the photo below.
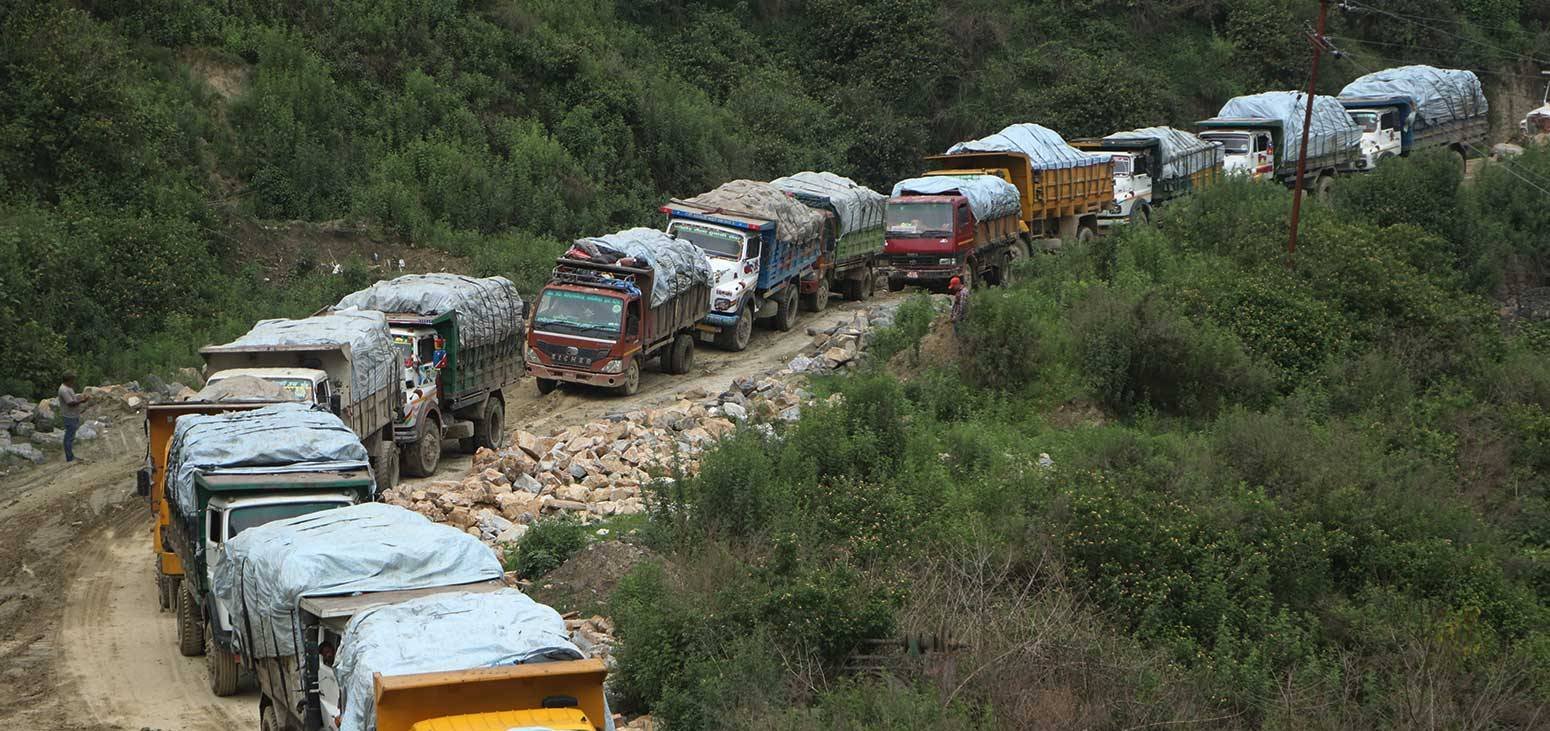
(1347, 5)
(1365, 42)
(1350, 6)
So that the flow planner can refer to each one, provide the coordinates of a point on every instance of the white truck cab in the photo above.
(734, 261)
(305, 385)
(1248, 152)
(1537, 121)
(227, 516)
(1381, 134)
(1132, 191)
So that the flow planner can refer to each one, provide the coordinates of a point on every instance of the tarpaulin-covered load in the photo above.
(676, 265)
(442, 632)
(372, 359)
(989, 196)
(857, 206)
(489, 310)
(279, 438)
(1439, 95)
(1183, 154)
(793, 221)
(372, 547)
(1044, 147)
(1332, 130)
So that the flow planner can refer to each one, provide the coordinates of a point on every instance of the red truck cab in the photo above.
(929, 239)
(592, 325)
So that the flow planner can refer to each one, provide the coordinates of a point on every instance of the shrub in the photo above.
(547, 544)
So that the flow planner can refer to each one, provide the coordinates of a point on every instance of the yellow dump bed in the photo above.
(563, 696)
(1046, 193)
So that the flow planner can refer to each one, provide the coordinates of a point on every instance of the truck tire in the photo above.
(818, 301)
(546, 385)
(866, 286)
(679, 358)
(191, 631)
(1007, 274)
(166, 589)
(1085, 234)
(1322, 188)
(895, 285)
(631, 385)
(489, 430)
(221, 667)
(736, 338)
(786, 312)
(421, 458)
(1141, 215)
(269, 718)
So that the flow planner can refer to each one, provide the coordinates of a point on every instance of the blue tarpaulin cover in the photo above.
(1044, 147)
(676, 265)
(489, 310)
(1183, 154)
(1438, 95)
(857, 206)
(266, 570)
(989, 196)
(449, 631)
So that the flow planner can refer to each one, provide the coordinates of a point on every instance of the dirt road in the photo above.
(82, 644)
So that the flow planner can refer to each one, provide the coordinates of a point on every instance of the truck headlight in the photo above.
(530, 355)
(723, 303)
(614, 366)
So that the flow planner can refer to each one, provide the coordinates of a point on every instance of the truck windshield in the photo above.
(920, 218)
(567, 312)
(1231, 144)
(1122, 165)
(1368, 121)
(240, 519)
(715, 242)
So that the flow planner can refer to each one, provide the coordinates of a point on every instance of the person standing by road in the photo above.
(70, 412)
(960, 303)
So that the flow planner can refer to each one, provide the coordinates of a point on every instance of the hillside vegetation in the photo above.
(138, 136)
(1276, 498)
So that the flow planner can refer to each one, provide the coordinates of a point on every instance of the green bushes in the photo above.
(545, 546)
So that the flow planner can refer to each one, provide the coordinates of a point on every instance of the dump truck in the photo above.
(459, 342)
(615, 302)
(853, 235)
(342, 361)
(224, 472)
(761, 244)
(1261, 135)
(1409, 108)
(374, 617)
(954, 222)
(1152, 166)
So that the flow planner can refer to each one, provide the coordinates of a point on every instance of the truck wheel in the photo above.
(1085, 234)
(191, 631)
(166, 589)
(737, 338)
(1141, 215)
(222, 668)
(1008, 273)
(680, 357)
(631, 385)
(421, 458)
(786, 311)
(269, 718)
(895, 285)
(866, 286)
(488, 431)
(1322, 188)
(818, 300)
(545, 385)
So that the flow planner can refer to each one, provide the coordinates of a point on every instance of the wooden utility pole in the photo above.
(1307, 121)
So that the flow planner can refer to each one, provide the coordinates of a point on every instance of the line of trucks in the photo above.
(769, 250)
(276, 561)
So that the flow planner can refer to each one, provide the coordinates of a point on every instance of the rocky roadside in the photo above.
(32, 431)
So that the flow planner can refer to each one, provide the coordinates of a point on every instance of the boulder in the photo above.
(44, 415)
(527, 483)
(511, 535)
(24, 451)
(48, 438)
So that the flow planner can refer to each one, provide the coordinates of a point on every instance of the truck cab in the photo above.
(228, 515)
(304, 385)
(927, 238)
(421, 355)
(1382, 134)
(1132, 190)
(1250, 152)
(585, 334)
(734, 256)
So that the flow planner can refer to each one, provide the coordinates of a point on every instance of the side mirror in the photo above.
(143, 482)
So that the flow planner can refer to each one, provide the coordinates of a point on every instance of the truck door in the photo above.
(632, 322)
(1264, 155)
(963, 224)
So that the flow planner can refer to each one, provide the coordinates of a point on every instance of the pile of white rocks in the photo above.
(596, 470)
(843, 345)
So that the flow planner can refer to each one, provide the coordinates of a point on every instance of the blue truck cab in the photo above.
(756, 272)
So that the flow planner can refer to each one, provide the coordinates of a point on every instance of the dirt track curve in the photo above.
(82, 643)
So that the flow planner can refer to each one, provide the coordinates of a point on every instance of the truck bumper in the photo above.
(721, 321)
(565, 374)
(922, 276)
